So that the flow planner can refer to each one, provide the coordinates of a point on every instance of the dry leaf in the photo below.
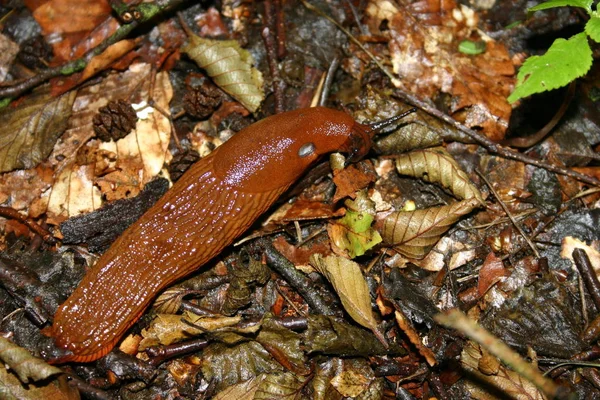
(414, 233)
(349, 283)
(230, 67)
(30, 130)
(8, 52)
(437, 166)
(26, 366)
(505, 381)
(242, 391)
(166, 329)
(169, 301)
(112, 170)
(428, 33)
(106, 58)
(79, 25)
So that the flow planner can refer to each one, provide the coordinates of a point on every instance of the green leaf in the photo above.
(592, 28)
(471, 48)
(564, 61)
(587, 4)
(353, 232)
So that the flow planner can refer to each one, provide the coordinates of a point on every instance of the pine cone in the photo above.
(114, 121)
(202, 101)
(181, 162)
(35, 52)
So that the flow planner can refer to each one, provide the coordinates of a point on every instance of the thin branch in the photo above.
(455, 319)
(509, 215)
(490, 145)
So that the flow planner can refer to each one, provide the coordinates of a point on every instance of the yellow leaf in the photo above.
(349, 283)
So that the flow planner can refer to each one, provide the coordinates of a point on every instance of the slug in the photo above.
(214, 202)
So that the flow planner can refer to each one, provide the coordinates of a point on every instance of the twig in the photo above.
(145, 11)
(335, 63)
(158, 355)
(295, 278)
(280, 30)
(509, 215)
(489, 144)
(278, 83)
(584, 266)
(9, 212)
(455, 319)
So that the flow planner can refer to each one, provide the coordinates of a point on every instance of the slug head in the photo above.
(276, 151)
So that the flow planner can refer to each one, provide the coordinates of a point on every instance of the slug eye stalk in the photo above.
(376, 127)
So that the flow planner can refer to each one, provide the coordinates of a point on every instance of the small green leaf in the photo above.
(564, 61)
(471, 48)
(592, 28)
(587, 4)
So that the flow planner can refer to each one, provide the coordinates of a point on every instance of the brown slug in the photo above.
(214, 202)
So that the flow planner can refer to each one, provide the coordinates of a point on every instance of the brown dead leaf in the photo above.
(414, 233)
(31, 128)
(423, 43)
(166, 329)
(349, 283)
(353, 178)
(73, 193)
(406, 326)
(106, 58)
(570, 243)
(491, 272)
(81, 24)
(110, 170)
(436, 165)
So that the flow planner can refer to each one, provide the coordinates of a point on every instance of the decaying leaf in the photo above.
(167, 328)
(429, 33)
(30, 130)
(284, 345)
(414, 233)
(349, 283)
(350, 383)
(244, 277)
(329, 335)
(24, 364)
(505, 380)
(283, 385)
(353, 234)
(94, 171)
(230, 365)
(73, 193)
(169, 301)
(230, 67)
(436, 165)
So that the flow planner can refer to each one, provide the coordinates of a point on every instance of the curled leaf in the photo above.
(414, 233)
(30, 130)
(169, 301)
(437, 166)
(26, 366)
(349, 283)
(230, 67)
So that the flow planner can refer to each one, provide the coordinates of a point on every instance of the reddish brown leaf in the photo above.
(490, 273)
